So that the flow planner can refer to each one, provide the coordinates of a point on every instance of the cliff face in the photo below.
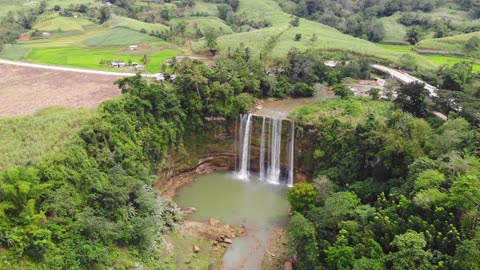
(215, 148)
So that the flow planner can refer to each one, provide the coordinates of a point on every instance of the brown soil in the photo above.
(276, 255)
(24, 38)
(24, 90)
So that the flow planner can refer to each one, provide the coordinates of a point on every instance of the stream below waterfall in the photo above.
(259, 206)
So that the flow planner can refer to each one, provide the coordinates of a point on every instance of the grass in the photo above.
(24, 140)
(352, 110)
(448, 44)
(452, 60)
(328, 38)
(119, 21)
(58, 23)
(204, 23)
(117, 37)
(90, 58)
(14, 52)
(438, 60)
(185, 258)
(394, 32)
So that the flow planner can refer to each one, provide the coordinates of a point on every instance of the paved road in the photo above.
(79, 70)
(405, 78)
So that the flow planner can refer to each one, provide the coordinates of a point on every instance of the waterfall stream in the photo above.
(275, 164)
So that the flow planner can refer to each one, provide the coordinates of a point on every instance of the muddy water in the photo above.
(258, 206)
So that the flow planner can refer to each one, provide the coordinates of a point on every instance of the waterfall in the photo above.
(273, 172)
(262, 151)
(269, 152)
(244, 147)
(291, 150)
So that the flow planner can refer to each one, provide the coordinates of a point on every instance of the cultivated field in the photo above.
(26, 90)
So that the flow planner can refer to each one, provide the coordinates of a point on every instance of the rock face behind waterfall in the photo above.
(274, 136)
(213, 149)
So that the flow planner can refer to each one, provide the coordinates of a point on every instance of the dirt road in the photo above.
(26, 88)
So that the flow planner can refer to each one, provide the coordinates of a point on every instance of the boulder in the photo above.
(192, 209)
(288, 266)
(196, 249)
(227, 240)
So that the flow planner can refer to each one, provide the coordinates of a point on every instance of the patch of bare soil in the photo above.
(25, 90)
(277, 257)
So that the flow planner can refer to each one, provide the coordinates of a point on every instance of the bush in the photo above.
(302, 197)
(298, 37)
(303, 90)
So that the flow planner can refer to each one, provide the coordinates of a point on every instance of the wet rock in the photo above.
(227, 240)
(214, 221)
(196, 249)
(288, 266)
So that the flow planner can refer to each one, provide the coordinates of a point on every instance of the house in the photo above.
(133, 47)
(139, 68)
(108, 4)
(46, 34)
(159, 77)
(172, 77)
(117, 64)
(134, 64)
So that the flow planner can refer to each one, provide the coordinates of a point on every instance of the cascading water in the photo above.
(270, 150)
(273, 172)
(262, 151)
(244, 146)
(291, 150)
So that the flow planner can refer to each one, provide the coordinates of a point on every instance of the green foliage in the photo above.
(342, 91)
(301, 235)
(24, 140)
(411, 253)
(302, 197)
(411, 98)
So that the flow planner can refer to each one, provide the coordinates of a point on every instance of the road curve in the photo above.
(79, 70)
(405, 78)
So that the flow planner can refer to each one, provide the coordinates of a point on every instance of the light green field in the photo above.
(394, 32)
(56, 23)
(119, 21)
(90, 58)
(204, 23)
(14, 52)
(24, 140)
(438, 60)
(117, 37)
(451, 60)
(203, 7)
(448, 44)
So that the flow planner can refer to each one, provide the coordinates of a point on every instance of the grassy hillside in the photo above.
(284, 34)
(24, 140)
(450, 44)
(56, 23)
(119, 21)
(117, 37)
(394, 32)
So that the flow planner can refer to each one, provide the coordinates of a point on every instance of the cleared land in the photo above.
(26, 90)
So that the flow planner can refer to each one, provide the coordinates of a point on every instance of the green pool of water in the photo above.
(259, 206)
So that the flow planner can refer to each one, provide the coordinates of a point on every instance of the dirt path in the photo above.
(77, 70)
(25, 89)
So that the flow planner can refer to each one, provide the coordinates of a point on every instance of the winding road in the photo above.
(78, 70)
(405, 78)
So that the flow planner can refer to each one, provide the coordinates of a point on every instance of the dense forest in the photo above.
(391, 191)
